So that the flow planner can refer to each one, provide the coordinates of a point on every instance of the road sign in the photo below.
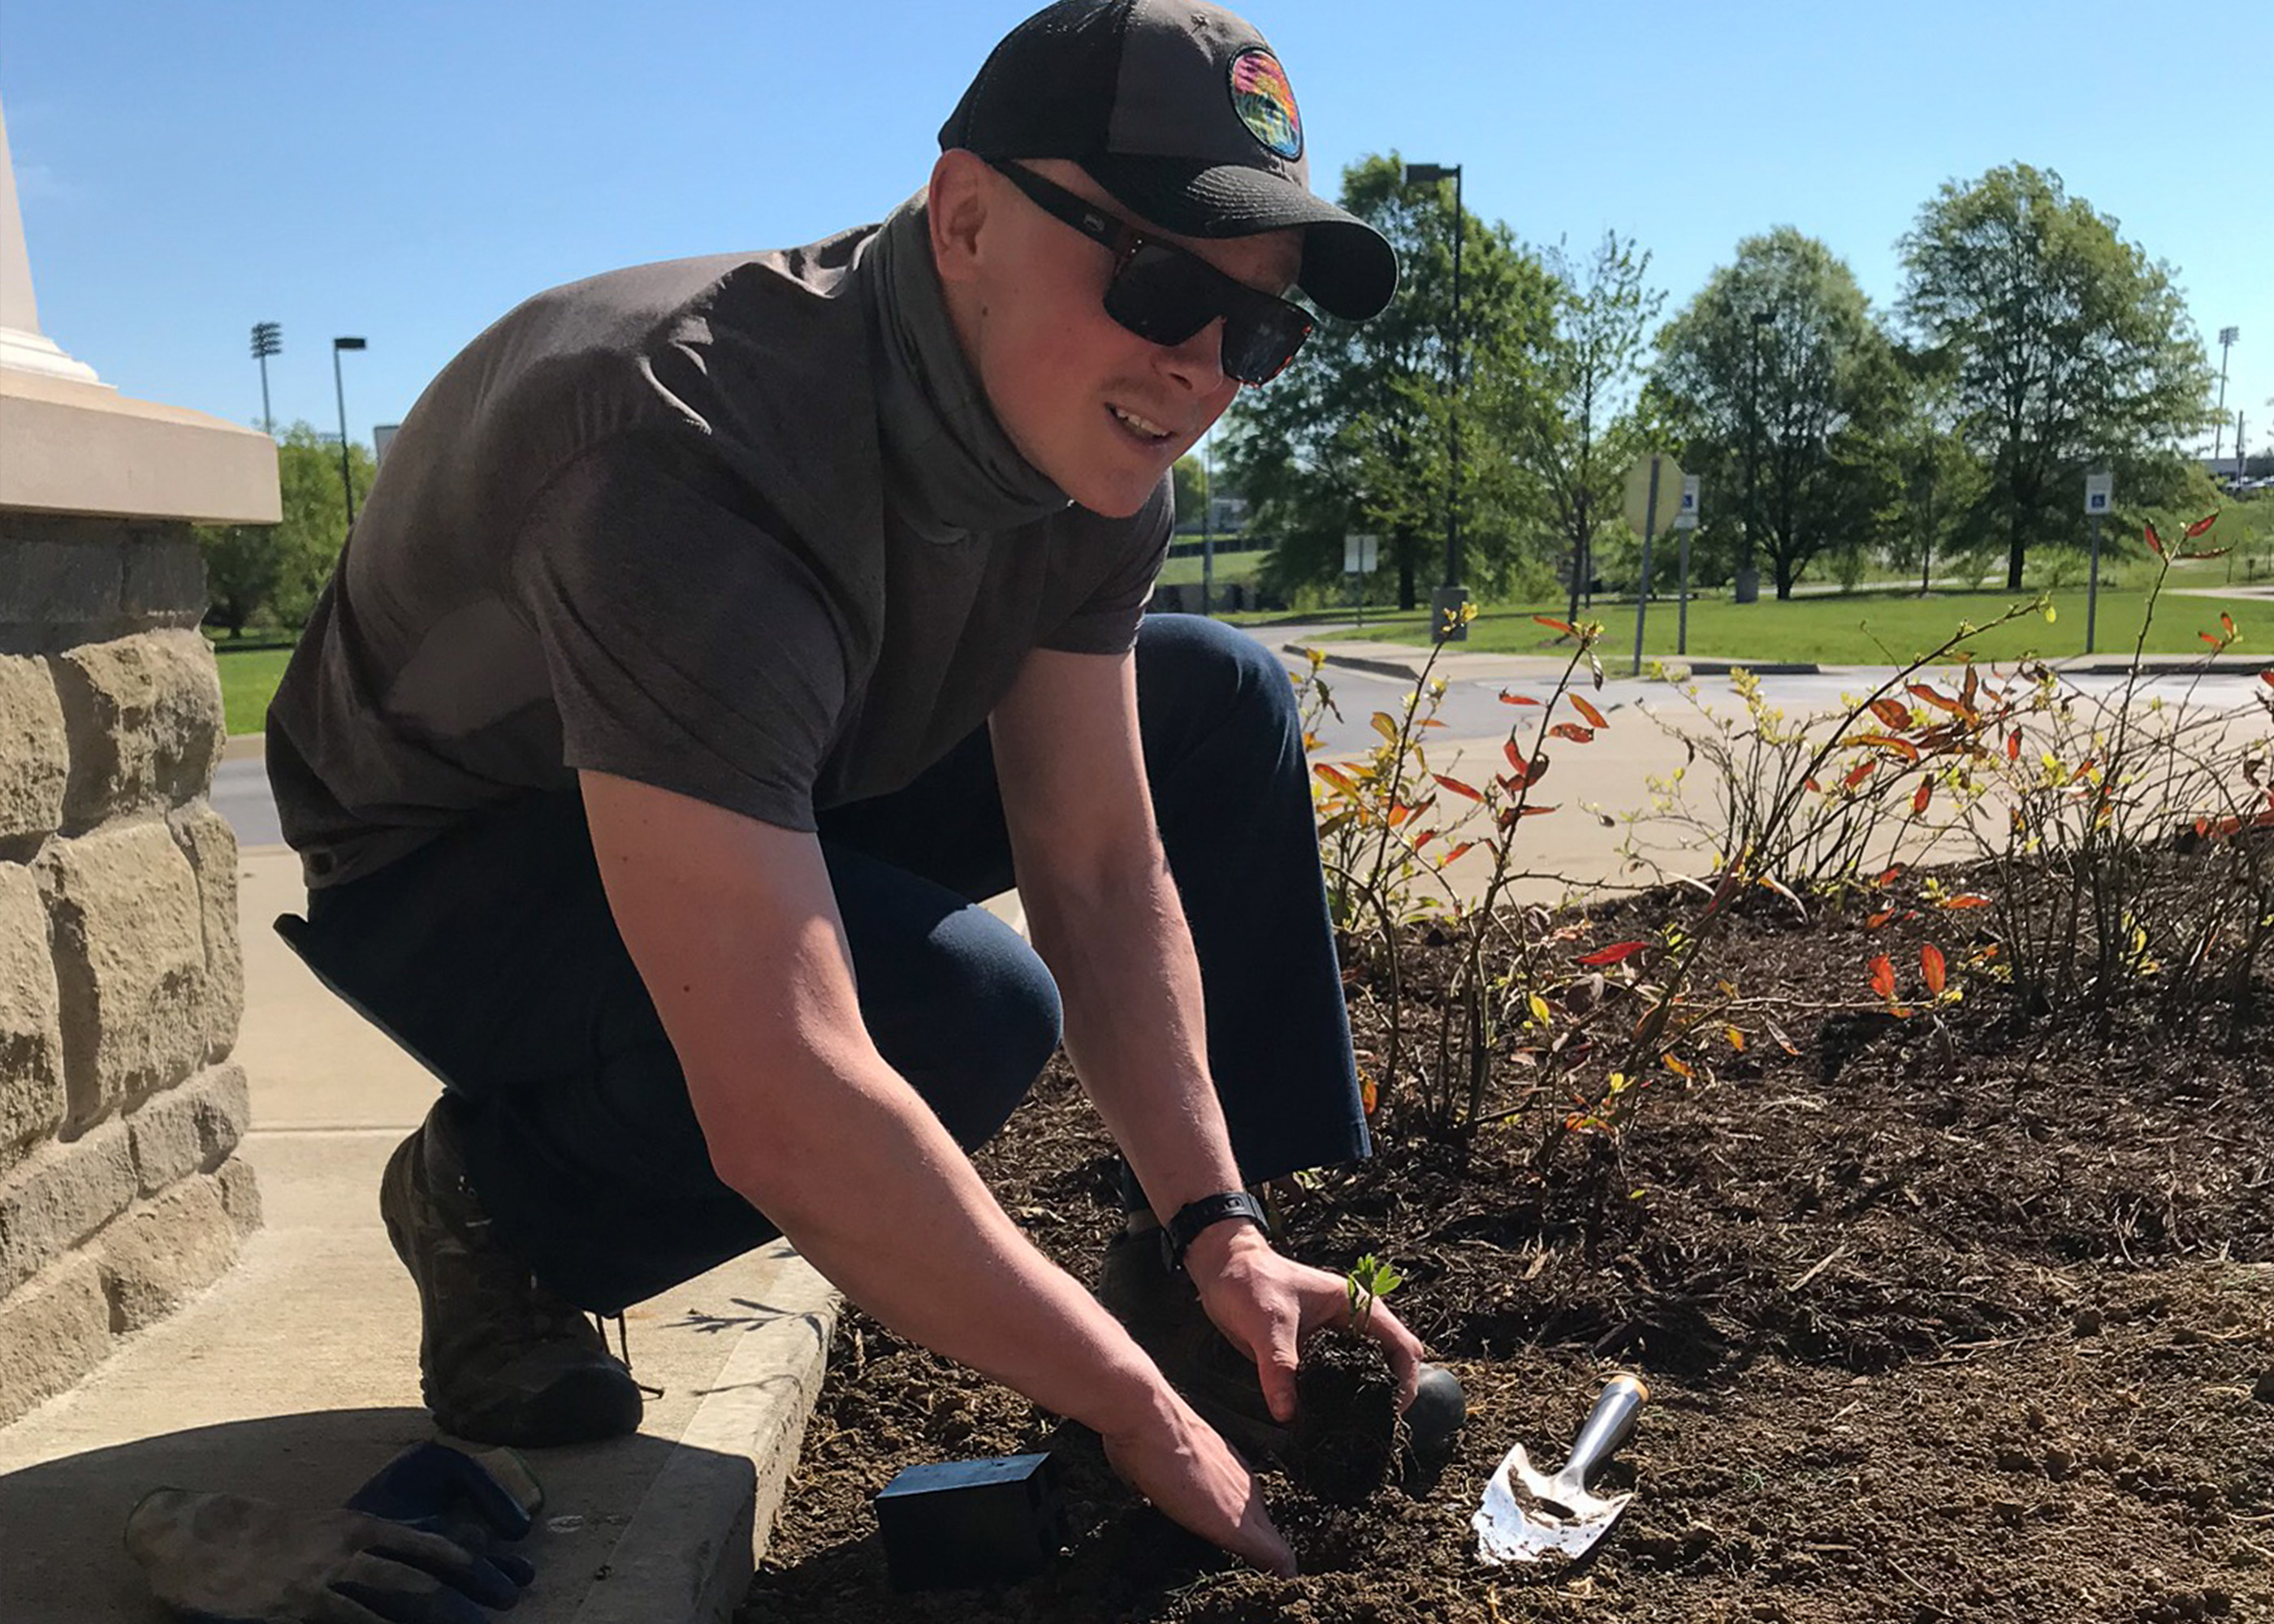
(2099, 493)
(1687, 519)
(1659, 476)
(1360, 554)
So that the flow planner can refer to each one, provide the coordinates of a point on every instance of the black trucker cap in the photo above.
(1181, 112)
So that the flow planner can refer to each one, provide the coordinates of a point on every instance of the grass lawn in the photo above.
(1870, 629)
(1231, 568)
(249, 677)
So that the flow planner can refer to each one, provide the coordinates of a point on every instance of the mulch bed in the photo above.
(1943, 1320)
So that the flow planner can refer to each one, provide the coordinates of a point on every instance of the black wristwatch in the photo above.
(1194, 1216)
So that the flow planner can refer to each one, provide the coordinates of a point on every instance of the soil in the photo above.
(1943, 1319)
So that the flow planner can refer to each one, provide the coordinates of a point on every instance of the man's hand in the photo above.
(1266, 1305)
(1174, 1459)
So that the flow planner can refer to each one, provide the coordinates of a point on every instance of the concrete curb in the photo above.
(691, 1548)
(1451, 666)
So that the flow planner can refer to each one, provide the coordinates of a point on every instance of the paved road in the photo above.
(1472, 710)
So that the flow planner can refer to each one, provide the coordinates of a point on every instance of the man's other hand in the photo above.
(1267, 1305)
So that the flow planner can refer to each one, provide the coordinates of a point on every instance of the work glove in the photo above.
(230, 1559)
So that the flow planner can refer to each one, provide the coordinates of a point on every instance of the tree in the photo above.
(1937, 481)
(1559, 411)
(242, 570)
(1353, 436)
(1782, 384)
(2070, 348)
(1191, 492)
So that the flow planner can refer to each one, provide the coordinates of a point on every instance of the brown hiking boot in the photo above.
(501, 1360)
(1160, 1308)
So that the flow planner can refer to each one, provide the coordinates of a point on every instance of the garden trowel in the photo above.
(1526, 1514)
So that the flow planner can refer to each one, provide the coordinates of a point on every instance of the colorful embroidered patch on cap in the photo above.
(1266, 102)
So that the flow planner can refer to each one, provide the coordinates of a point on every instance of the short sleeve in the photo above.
(690, 645)
(1106, 622)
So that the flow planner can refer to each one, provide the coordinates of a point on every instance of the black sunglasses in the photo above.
(1164, 294)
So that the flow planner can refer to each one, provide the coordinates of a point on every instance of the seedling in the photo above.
(1370, 1280)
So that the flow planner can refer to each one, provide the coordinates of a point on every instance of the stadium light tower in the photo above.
(268, 340)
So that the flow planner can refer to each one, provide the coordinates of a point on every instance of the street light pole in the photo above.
(339, 388)
(1447, 603)
(1748, 580)
(268, 340)
(2227, 337)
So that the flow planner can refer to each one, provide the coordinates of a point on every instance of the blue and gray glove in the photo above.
(415, 1545)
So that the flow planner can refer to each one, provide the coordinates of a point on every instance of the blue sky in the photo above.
(407, 171)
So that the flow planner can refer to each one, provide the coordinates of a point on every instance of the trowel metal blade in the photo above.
(1528, 1515)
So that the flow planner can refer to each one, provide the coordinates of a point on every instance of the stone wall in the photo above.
(121, 984)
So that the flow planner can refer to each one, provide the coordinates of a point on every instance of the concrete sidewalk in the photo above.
(295, 1377)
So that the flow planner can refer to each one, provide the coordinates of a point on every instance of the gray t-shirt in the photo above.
(742, 527)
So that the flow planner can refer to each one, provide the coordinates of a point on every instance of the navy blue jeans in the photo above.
(491, 956)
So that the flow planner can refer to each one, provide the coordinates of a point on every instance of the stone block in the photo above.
(192, 1129)
(58, 1197)
(34, 751)
(59, 574)
(157, 1256)
(240, 1194)
(52, 1332)
(210, 844)
(130, 964)
(165, 574)
(32, 1099)
(146, 722)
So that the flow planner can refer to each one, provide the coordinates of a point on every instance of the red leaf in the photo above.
(1589, 711)
(1878, 919)
(1889, 877)
(1893, 712)
(1573, 732)
(1534, 811)
(1969, 899)
(1520, 767)
(1931, 966)
(2201, 525)
(1616, 953)
(1857, 775)
(2227, 624)
(2208, 638)
(1508, 698)
(1888, 742)
(1814, 788)
(1554, 625)
(1369, 1095)
(2267, 677)
(1926, 693)
(1925, 794)
(1336, 777)
(1883, 977)
(1455, 854)
(2014, 745)
(1456, 786)
(2155, 542)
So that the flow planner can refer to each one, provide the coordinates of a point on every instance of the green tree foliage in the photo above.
(1790, 409)
(270, 574)
(1192, 491)
(1933, 524)
(1352, 437)
(1562, 412)
(2070, 349)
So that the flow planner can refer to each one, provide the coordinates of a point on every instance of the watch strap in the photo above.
(1194, 1216)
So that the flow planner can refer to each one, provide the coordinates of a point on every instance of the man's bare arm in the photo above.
(1105, 916)
(733, 927)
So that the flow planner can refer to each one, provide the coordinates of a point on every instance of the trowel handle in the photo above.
(1609, 1425)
